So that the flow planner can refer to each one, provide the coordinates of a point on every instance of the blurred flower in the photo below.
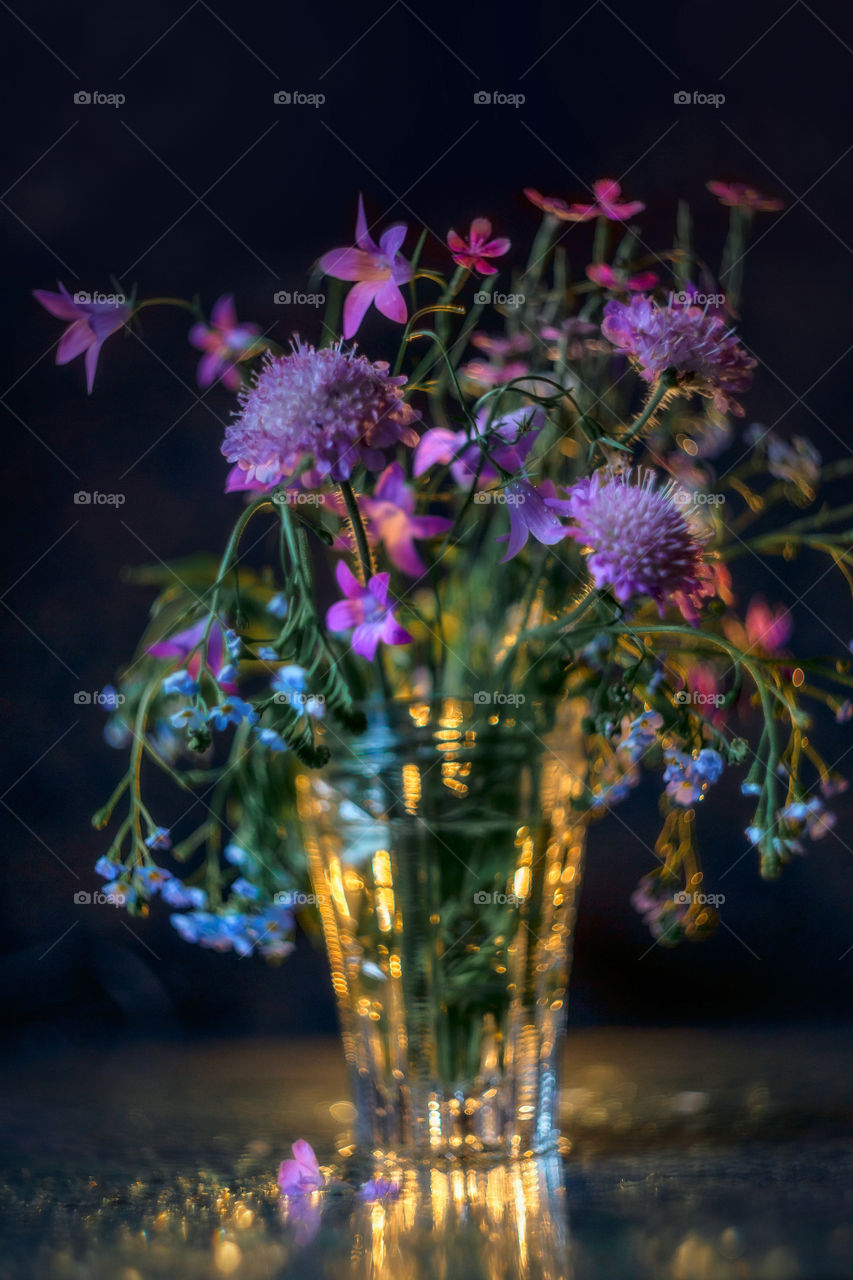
(109, 870)
(474, 253)
(706, 357)
(151, 879)
(638, 540)
(392, 520)
(180, 682)
(366, 610)
(330, 405)
(302, 1174)
(663, 910)
(271, 739)
(189, 718)
(379, 1189)
(278, 606)
(91, 323)
(224, 343)
(187, 646)
(529, 513)
(245, 889)
(688, 777)
(795, 461)
(378, 269)
(607, 204)
(160, 838)
(765, 630)
(177, 894)
(600, 273)
(739, 195)
(508, 438)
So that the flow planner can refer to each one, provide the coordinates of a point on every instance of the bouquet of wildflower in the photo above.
(528, 505)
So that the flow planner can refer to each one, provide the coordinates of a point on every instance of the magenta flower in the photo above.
(738, 195)
(692, 343)
(509, 439)
(378, 269)
(618, 281)
(607, 204)
(392, 520)
(765, 630)
(301, 1175)
(365, 610)
(529, 512)
(224, 342)
(474, 253)
(91, 323)
(187, 642)
(637, 539)
(330, 405)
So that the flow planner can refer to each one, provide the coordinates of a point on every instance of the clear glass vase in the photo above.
(445, 855)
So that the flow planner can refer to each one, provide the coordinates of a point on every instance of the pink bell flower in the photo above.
(474, 253)
(91, 323)
(365, 610)
(377, 269)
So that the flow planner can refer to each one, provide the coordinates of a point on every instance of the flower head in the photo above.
(509, 439)
(332, 406)
(378, 269)
(529, 512)
(392, 520)
(694, 344)
(606, 205)
(91, 323)
(638, 539)
(224, 342)
(604, 275)
(766, 630)
(231, 710)
(474, 253)
(187, 646)
(302, 1174)
(738, 195)
(366, 610)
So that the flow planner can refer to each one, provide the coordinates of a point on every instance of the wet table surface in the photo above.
(691, 1155)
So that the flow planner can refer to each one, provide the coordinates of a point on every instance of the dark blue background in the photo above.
(199, 183)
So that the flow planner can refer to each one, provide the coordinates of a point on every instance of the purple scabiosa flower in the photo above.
(378, 269)
(391, 520)
(508, 438)
(224, 343)
(529, 512)
(607, 204)
(684, 340)
(474, 253)
(365, 609)
(302, 1174)
(91, 323)
(638, 540)
(739, 195)
(330, 405)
